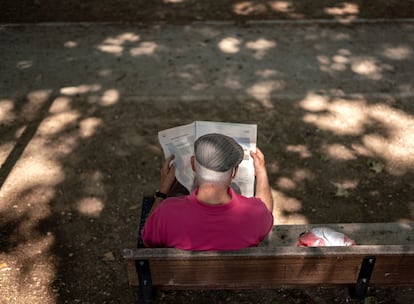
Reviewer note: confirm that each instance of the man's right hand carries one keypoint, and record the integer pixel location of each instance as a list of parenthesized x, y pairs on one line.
[(258, 162)]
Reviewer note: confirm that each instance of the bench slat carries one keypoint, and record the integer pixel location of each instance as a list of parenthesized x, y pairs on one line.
[(393, 270), (256, 252), (253, 273)]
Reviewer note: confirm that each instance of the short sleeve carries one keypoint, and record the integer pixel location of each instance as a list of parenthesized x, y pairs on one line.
[(151, 233)]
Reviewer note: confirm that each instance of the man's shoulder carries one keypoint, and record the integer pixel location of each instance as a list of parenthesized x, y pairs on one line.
[(175, 201), (252, 202), (247, 199)]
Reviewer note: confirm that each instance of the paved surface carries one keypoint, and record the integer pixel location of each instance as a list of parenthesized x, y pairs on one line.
[(52, 185), (255, 61)]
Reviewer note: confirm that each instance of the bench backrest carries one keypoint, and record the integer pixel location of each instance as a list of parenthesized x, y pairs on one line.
[(266, 268)]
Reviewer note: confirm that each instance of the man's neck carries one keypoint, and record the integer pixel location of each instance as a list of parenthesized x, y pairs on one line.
[(213, 194)]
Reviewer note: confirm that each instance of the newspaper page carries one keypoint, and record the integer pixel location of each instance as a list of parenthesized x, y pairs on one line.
[(180, 142)]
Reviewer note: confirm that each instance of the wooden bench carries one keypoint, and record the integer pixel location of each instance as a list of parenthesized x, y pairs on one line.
[(384, 257)]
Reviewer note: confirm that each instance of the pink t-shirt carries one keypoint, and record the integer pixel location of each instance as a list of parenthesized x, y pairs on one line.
[(186, 223)]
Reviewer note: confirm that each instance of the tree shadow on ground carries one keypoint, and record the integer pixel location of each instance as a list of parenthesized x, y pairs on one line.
[(334, 117)]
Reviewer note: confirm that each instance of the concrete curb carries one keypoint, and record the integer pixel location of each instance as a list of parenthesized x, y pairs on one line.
[(273, 97)]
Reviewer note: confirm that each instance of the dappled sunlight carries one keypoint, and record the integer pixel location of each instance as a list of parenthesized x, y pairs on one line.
[(122, 38), (298, 177), (28, 272), (5, 150), (70, 44), (194, 76), (314, 103), (251, 8), (285, 8), (402, 52), (61, 104), (340, 116), (89, 126), (38, 169), (92, 202), (368, 67), (58, 122), (338, 152), (267, 73), (31, 192), (392, 141), (128, 42), (332, 104), (7, 114), (365, 66), (145, 48), (287, 210), (104, 72), (109, 98), (90, 206), (81, 89), (35, 100), (397, 146), (302, 174), (345, 10), (260, 47), (286, 184), (337, 63), (229, 45), (263, 90), (246, 8), (301, 150), (234, 84), (282, 6), (111, 48), (25, 200), (115, 45), (38, 172)]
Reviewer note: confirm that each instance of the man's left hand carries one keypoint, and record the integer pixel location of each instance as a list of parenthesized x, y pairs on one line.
[(167, 175)]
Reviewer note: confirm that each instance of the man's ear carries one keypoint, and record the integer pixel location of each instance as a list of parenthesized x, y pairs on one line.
[(193, 163), (233, 175)]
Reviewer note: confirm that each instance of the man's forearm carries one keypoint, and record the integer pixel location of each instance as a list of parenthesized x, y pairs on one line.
[(263, 190)]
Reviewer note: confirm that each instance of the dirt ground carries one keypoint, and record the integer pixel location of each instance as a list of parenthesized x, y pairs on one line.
[(73, 172), (179, 11)]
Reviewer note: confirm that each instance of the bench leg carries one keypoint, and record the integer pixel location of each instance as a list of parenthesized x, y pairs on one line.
[(145, 292), (359, 290)]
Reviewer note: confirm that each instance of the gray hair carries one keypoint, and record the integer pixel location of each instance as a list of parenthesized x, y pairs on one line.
[(216, 156)]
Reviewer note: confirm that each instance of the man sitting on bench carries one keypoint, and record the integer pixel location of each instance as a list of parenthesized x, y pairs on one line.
[(213, 216)]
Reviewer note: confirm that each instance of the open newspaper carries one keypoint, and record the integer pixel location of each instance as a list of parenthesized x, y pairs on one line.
[(180, 142)]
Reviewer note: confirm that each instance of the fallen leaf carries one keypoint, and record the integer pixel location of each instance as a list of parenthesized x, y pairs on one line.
[(341, 190), (4, 267), (109, 256), (376, 166)]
